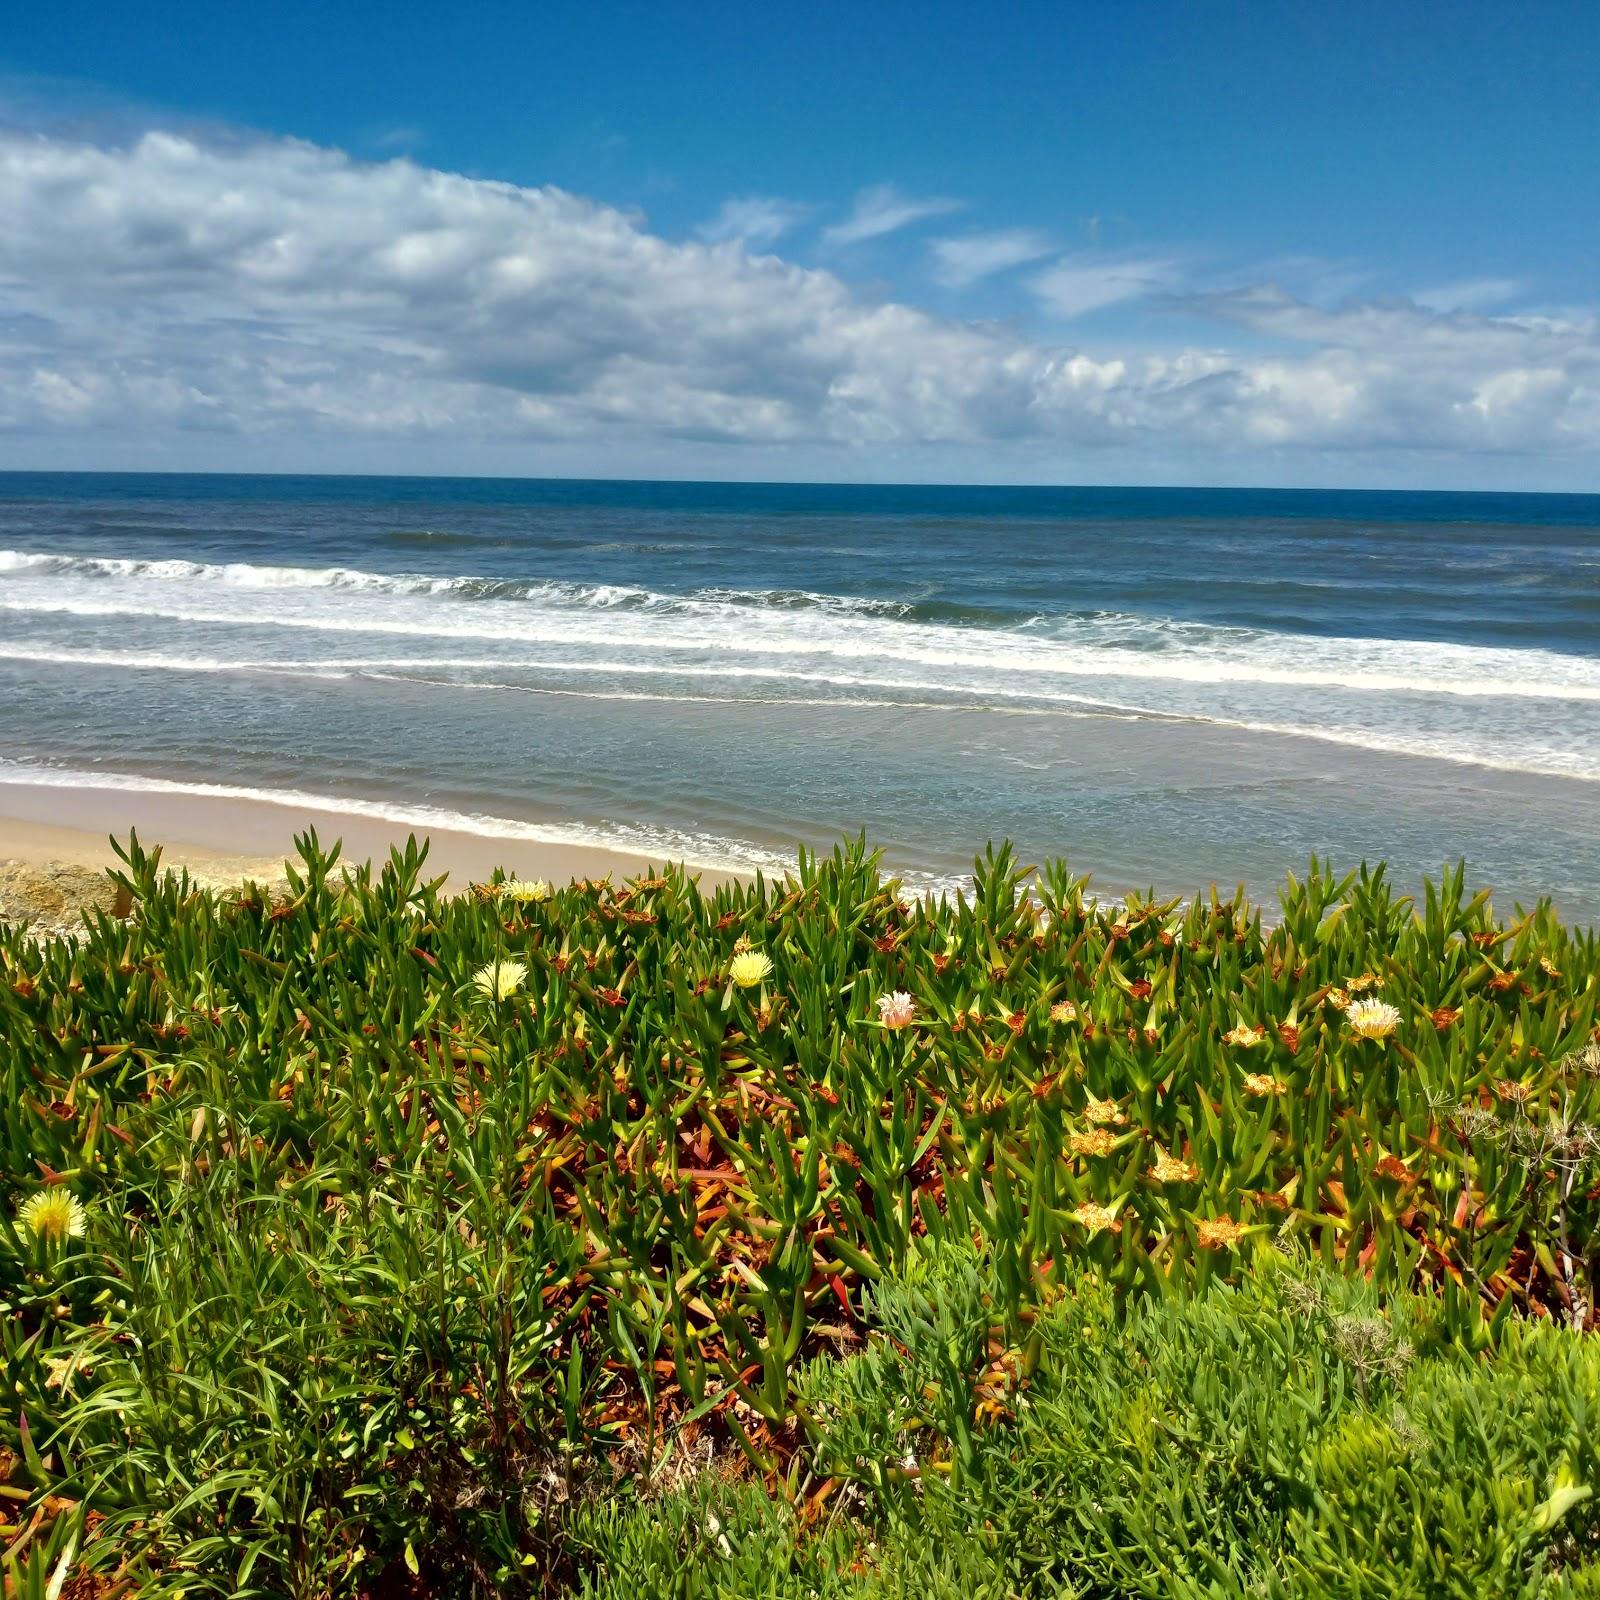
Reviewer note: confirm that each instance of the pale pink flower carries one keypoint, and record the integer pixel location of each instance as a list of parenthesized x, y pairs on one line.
[(897, 1010)]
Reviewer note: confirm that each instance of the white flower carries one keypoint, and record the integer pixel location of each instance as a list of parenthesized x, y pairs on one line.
[(499, 980), (1372, 1019), (896, 1010)]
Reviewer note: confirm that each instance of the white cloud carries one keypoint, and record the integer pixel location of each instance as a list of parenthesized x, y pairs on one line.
[(1472, 294), (755, 219), (884, 209), (176, 288), (964, 259), (397, 136), (1075, 285)]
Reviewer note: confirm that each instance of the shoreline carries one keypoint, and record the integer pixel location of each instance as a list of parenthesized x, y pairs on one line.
[(55, 842), (224, 838)]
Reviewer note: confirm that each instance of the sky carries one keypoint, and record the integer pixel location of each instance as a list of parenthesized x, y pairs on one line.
[(1147, 243)]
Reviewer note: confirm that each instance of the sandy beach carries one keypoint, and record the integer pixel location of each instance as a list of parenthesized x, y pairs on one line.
[(225, 838)]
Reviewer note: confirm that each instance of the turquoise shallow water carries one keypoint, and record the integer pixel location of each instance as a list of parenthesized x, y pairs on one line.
[(1166, 686)]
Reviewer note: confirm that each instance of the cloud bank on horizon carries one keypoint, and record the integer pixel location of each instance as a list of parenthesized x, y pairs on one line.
[(203, 293)]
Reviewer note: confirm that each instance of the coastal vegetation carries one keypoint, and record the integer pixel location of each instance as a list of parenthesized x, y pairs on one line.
[(798, 1238)]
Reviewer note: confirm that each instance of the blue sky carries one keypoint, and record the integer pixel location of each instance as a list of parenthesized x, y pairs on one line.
[(1138, 243)]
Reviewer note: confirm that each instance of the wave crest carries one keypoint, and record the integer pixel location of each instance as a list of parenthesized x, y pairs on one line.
[(600, 596)]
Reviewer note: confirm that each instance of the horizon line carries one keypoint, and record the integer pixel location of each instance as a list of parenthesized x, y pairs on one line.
[(788, 483)]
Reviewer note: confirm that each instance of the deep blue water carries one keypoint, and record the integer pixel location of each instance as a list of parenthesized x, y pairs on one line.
[(1166, 685)]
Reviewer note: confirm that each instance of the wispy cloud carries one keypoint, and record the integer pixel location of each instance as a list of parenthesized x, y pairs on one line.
[(405, 136), (1076, 285), (964, 259), (1472, 294), (884, 209), (755, 219)]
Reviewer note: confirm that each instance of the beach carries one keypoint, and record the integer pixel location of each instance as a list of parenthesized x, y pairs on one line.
[(1164, 688), (227, 841)]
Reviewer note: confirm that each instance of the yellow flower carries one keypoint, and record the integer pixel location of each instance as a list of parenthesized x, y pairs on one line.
[(1548, 967), (525, 891), (1169, 1169), (53, 1215), (1262, 1083), (59, 1371), (1220, 1233), (1063, 1011), (1338, 999), (1372, 1019), (750, 968), (1244, 1036), (1367, 980), (1097, 1142), (1103, 1113), (1096, 1219), (499, 980)]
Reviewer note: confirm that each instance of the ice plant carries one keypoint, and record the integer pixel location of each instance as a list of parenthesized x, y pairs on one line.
[(1169, 1169), (1096, 1219), (53, 1216), (896, 1009), (1244, 1037), (1096, 1142), (499, 980), (525, 891), (1261, 1084), (692, 1196), (1372, 1019), (1103, 1113), (1219, 1233), (750, 968)]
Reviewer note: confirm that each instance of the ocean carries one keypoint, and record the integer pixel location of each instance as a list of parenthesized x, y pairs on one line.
[(1166, 686)]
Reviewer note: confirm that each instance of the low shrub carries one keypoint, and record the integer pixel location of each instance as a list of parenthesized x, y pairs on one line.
[(357, 1238), (1287, 1438)]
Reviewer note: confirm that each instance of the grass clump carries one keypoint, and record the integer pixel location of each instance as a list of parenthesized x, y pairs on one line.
[(375, 1241), (1232, 1443)]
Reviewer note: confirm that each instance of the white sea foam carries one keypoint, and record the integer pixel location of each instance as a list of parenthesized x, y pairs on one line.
[(789, 623), (602, 596), (888, 695), (1493, 707), (1093, 648)]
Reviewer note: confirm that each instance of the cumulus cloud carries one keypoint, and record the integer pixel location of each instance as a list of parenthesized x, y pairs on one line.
[(964, 259), (176, 285), (884, 209), (755, 219)]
